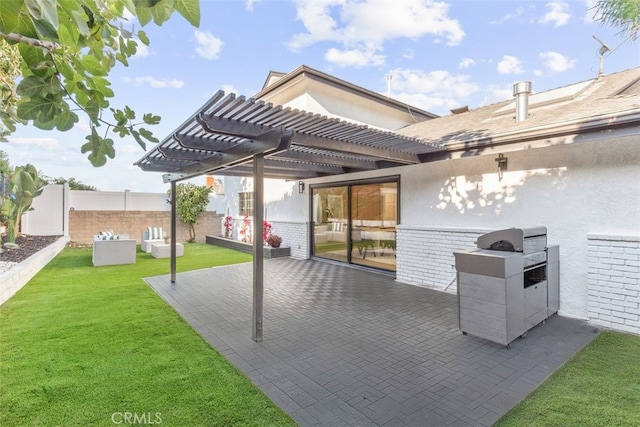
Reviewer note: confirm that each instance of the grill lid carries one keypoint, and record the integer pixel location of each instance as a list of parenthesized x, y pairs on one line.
[(514, 239)]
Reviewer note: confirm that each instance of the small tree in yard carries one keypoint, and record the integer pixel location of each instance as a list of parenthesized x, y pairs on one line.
[(24, 185), (191, 201)]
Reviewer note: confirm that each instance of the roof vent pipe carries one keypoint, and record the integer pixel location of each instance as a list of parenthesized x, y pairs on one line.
[(521, 91)]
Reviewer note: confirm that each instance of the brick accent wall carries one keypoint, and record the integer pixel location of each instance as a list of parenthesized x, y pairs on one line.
[(294, 235), (83, 225), (613, 290), (425, 254)]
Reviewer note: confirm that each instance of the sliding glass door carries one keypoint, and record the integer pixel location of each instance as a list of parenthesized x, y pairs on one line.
[(330, 223), (356, 223)]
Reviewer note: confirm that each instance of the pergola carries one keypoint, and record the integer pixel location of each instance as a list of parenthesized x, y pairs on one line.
[(234, 136)]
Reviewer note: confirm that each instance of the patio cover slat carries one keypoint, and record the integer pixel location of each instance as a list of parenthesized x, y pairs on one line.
[(228, 130)]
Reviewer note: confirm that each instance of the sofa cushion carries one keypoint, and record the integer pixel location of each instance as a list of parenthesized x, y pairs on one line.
[(154, 233)]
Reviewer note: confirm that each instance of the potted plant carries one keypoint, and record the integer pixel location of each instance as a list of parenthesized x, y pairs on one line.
[(274, 240)]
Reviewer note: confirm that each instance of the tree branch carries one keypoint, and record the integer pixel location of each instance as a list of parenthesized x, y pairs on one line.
[(31, 41)]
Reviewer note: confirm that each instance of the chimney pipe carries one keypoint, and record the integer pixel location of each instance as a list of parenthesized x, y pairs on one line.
[(521, 91)]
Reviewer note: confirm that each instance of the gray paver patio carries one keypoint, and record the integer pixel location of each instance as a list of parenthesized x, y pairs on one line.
[(347, 347)]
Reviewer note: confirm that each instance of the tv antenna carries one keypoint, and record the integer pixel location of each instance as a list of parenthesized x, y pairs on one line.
[(604, 48)]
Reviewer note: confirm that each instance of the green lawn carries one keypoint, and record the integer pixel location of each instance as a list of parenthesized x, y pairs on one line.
[(83, 345), (600, 386)]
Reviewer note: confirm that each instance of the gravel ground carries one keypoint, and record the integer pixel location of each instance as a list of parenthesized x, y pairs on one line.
[(28, 245)]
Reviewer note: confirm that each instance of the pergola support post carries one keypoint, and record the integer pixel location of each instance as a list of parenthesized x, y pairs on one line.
[(173, 231), (258, 246)]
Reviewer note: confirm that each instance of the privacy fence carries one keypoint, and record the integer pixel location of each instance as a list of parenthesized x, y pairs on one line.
[(82, 214)]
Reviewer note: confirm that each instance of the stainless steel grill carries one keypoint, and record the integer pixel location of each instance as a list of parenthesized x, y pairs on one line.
[(508, 284)]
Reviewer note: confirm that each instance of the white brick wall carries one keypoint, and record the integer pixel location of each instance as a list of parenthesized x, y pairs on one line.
[(425, 254), (613, 275), (295, 235)]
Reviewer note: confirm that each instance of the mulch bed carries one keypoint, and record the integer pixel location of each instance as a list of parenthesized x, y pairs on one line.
[(28, 245)]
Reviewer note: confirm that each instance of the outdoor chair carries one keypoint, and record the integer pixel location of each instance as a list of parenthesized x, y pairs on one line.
[(150, 236)]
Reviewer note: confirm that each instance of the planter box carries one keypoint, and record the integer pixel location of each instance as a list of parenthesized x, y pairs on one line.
[(269, 252)]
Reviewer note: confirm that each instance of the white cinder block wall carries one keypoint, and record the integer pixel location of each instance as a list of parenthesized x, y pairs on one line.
[(294, 235), (614, 281), (425, 255)]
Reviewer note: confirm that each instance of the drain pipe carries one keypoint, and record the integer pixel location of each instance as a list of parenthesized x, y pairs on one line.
[(521, 91)]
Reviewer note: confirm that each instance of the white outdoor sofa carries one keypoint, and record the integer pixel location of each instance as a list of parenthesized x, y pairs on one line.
[(113, 251), (156, 237)]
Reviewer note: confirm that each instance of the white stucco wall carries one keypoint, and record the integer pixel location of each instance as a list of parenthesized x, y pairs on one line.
[(572, 189)]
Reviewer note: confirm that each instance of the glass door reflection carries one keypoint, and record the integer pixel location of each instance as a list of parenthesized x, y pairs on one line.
[(330, 223), (374, 214)]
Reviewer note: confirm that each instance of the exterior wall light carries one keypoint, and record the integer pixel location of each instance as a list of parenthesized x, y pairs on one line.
[(301, 187)]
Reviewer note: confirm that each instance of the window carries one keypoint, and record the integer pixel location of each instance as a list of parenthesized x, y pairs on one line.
[(245, 203)]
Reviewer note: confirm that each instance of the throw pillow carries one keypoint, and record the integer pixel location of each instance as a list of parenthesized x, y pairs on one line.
[(154, 233)]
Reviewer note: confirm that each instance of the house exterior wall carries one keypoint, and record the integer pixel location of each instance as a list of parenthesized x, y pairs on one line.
[(573, 189)]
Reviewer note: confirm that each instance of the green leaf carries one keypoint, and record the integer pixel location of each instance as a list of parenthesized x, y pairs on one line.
[(45, 30), (129, 113), (68, 36), (80, 18), (122, 131), (31, 86), (66, 120), (98, 148), (190, 10), (143, 37), (162, 11), (148, 135), (93, 65), (9, 15), (150, 119), (139, 140), (119, 116), (34, 107), (143, 14), (44, 10)]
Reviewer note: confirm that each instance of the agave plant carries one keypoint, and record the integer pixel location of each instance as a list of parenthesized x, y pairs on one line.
[(24, 185)]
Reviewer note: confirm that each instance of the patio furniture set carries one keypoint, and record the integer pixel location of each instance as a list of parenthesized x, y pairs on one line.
[(116, 249)]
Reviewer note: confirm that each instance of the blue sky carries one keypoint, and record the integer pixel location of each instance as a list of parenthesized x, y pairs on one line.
[(440, 55)]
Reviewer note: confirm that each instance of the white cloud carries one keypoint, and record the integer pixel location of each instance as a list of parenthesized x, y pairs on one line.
[(154, 83), (208, 46), (510, 65), (509, 16), (497, 93), (556, 62), (249, 4), (466, 63), (362, 27), (408, 54), (354, 58), (558, 14), (229, 89), (48, 144), (434, 90)]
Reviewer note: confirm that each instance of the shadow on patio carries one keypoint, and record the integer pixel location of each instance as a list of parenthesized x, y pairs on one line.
[(344, 346)]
